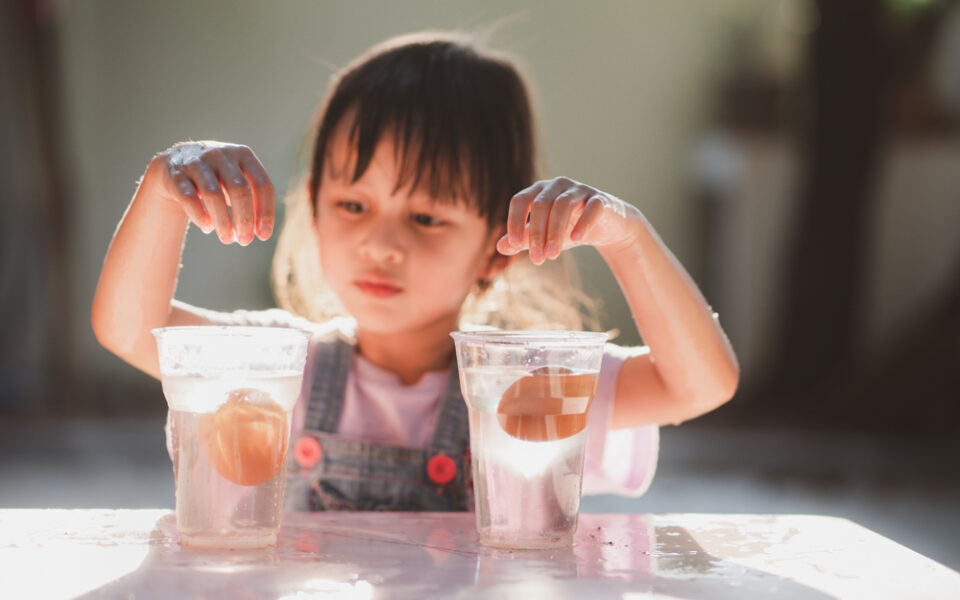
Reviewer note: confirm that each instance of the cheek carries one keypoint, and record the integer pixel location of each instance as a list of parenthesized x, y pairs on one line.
[(452, 271), (332, 257)]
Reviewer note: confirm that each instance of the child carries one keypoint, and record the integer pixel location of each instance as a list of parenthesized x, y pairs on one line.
[(420, 203)]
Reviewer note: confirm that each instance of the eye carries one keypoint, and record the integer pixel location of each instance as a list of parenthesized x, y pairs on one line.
[(426, 220), (351, 206)]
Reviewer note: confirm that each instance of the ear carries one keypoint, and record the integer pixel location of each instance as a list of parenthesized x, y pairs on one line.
[(496, 263)]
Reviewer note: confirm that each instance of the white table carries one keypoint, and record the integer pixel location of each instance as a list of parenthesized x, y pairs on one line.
[(135, 554)]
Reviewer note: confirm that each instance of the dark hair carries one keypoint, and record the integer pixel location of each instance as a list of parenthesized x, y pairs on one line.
[(460, 117), (462, 126)]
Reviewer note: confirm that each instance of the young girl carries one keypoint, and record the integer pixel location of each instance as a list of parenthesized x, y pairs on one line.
[(419, 213)]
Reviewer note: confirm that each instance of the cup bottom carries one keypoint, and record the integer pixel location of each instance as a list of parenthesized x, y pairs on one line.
[(512, 542), (229, 542)]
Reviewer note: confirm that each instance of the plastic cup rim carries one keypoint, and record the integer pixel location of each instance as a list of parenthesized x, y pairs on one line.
[(530, 337), (237, 331)]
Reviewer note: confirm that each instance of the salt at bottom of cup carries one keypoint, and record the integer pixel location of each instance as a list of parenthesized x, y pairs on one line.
[(225, 542)]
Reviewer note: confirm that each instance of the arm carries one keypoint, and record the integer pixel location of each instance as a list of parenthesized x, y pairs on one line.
[(190, 182), (690, 368)]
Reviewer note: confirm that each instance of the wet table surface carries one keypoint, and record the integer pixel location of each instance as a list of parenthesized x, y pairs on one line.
[(136, 554)]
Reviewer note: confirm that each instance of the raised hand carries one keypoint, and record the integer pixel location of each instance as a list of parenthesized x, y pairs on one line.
[(219, 186), (553, 215)]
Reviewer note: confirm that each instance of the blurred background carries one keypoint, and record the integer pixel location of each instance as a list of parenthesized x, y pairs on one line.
[(800, 157)]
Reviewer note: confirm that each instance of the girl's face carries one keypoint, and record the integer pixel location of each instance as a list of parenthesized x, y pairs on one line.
[(398, 261)]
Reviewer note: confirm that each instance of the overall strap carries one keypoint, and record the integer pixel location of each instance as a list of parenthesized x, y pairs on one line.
[(452, 432), (331, 366)]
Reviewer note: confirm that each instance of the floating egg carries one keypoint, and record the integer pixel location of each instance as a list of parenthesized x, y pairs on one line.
[(549, 404)]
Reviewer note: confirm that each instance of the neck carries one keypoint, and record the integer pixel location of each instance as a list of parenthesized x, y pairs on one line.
[(409, 355)]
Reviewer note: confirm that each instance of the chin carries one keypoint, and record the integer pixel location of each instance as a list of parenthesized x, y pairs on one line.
[(386, 323), (380, 326), (379, 321)]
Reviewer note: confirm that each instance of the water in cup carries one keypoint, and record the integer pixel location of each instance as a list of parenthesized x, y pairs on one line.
[(527, 457), (230, 425), (228, 462)]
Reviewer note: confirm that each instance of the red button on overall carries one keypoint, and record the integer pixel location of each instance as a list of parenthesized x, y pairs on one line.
[(307, 452), (441, 469)]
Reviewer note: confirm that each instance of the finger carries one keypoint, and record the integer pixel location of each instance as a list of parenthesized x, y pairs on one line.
[(517, 214), (506, 247), (212, 196), (591, 212), (188, 199), (563, 208), (264, 199), (238, 191), (539, 216)]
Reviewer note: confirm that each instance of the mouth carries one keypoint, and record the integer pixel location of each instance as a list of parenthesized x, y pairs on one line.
[(377, 288)]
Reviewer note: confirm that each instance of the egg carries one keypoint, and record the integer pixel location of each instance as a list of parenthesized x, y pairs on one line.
[(549, 404), (246, 438)]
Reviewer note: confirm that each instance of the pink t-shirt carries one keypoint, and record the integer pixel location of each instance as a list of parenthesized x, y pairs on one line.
[(378, 406)]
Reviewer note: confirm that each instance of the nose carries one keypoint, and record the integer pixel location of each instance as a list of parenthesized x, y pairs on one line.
[(382, 244)]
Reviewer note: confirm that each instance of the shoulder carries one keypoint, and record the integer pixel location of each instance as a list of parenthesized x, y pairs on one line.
[(341, 327)]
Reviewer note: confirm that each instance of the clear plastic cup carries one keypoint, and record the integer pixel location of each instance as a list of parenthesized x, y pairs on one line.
[(528, 395), (230, 391)]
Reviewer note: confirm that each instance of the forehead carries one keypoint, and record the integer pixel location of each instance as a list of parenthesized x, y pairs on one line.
[(396, 165), (342, 155)]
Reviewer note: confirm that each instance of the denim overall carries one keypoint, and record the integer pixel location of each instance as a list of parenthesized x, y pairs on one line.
[(329, 472)]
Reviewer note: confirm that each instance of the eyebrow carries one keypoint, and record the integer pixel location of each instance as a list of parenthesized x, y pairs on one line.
[(419, 198)]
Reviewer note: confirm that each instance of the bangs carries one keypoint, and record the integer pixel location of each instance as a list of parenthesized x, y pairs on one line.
[(460, 123), (433, 164)]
